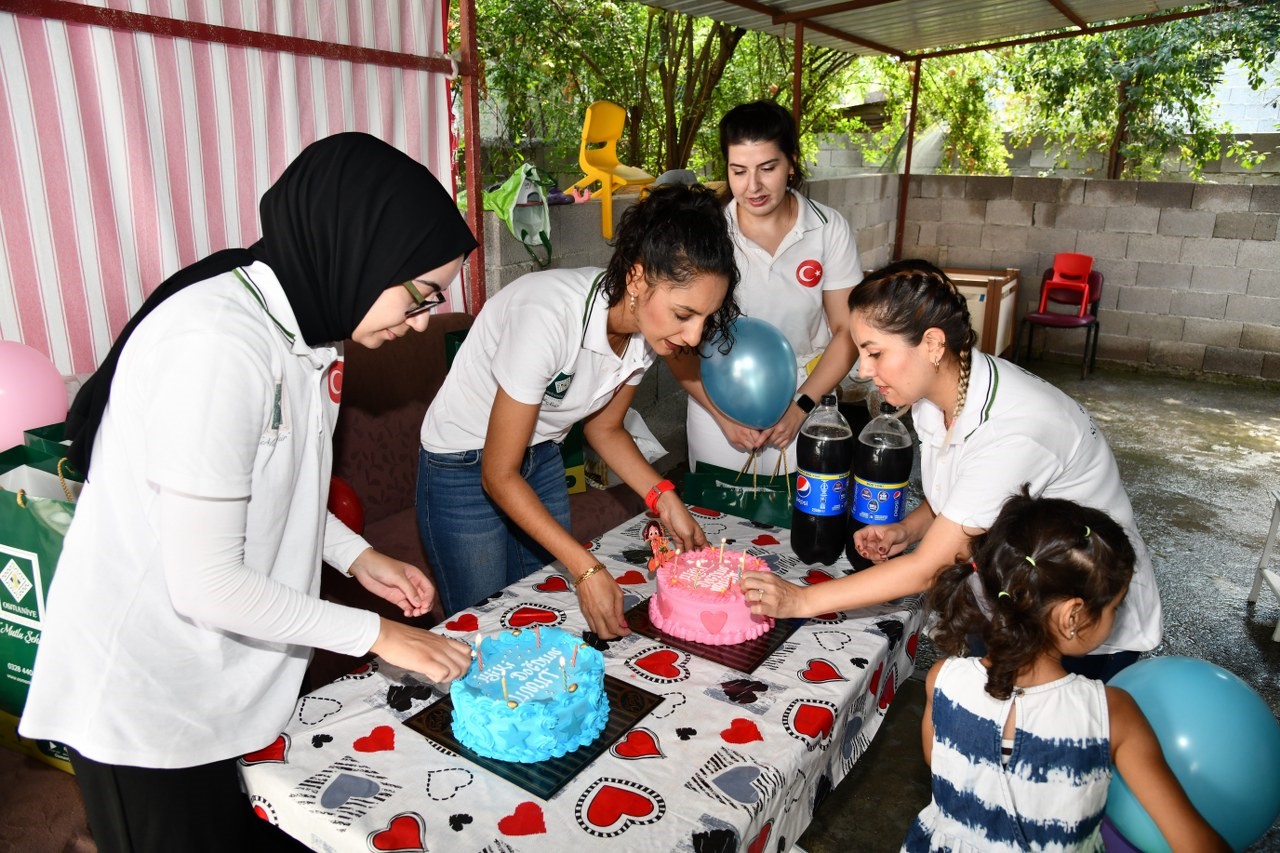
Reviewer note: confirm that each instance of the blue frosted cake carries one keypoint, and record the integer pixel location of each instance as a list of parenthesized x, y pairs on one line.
[(530, 695)]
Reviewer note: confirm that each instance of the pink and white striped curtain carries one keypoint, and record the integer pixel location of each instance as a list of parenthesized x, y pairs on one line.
[(125, 156)]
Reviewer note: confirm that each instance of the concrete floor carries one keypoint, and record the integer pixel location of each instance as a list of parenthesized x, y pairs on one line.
[(1198, 458)]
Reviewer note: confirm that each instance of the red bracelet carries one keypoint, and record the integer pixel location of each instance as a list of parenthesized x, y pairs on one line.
[(651, 499)]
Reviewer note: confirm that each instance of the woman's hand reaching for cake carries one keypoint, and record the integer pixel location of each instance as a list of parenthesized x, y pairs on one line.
[(600, 599), (679, 523), (437, 657), (403, 584), (769, 595)]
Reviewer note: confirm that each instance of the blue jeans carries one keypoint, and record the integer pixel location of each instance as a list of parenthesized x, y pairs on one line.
[(473, 548)]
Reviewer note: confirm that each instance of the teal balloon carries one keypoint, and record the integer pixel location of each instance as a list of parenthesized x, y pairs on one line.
[(756, 381), (1219, 738)]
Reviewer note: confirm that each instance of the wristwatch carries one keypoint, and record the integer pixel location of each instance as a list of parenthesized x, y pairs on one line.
[(805, 402)]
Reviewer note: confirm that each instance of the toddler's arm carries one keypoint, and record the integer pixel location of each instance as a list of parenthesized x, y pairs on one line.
[(1136, 754)]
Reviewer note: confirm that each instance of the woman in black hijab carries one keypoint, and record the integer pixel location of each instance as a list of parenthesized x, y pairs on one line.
[(186, 600)]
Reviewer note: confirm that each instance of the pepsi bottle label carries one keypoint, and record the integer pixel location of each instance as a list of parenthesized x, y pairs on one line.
[(878, 503), (822, 494)]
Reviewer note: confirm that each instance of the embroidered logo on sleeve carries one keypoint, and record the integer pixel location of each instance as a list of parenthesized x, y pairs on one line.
[(557, 389)]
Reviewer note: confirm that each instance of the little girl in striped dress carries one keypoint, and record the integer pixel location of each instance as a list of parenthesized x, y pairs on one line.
[(1021, 751)]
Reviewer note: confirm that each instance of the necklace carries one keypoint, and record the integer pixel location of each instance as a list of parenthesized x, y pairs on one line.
[(620, 347)]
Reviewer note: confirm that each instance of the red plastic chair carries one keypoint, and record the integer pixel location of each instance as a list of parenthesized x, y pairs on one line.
[(1070, 281)]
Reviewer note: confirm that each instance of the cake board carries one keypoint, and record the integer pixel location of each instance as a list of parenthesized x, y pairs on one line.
[(744, 657), (628, 705)]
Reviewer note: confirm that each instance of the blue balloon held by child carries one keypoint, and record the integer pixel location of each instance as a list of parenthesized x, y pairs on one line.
[(1219, 738), (756, 381)]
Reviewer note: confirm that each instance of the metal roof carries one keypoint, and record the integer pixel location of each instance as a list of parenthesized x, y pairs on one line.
[(913, 28)]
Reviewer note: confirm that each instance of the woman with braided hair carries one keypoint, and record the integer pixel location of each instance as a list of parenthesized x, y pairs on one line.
[(986, 426)]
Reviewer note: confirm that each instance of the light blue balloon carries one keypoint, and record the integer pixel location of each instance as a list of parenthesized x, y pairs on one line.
[(1219, 738), (756, 381)]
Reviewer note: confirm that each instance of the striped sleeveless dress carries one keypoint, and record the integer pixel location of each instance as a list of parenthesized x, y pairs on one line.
[(1051, 795)]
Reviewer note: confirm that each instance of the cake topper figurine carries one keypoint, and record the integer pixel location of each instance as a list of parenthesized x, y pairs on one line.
[(653, 534)]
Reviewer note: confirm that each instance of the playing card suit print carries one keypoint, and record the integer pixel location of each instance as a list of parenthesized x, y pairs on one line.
[(874, 687), (684, 732), (832, 641), (761, 839), (638, 743), (671, 702), (764, 540), (743, 691), (528, 615), (850, 735), (912, 645), (609, 807), (465, 622), (405, 833), (715, 841), (816, 576), (662, 666), (828, 617), (810, 721), (555, 583), (445, 784), (400, 697), (630, 577), (458, 821), (820, 671), (263, 809), (364, 670), (738, 783), (381, 739), (276, 753), (320, 740), (741, 731), (890, 688), (346, 786), (706, 513), (527, 819), (316, 709), (891, 628), (592, 639)]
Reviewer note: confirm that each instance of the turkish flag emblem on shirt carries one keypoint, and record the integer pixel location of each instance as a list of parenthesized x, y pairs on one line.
[(334, 381), (809, 273)]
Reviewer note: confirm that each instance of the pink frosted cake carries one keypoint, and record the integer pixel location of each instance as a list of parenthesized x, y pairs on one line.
[(699, 598)]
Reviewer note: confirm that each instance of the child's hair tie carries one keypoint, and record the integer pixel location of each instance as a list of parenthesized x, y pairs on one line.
[(1005, 594), (1030, 560), (974, 566), (1087, 531)]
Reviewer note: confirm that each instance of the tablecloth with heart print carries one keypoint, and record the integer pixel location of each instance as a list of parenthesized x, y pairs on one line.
[(727, 762)]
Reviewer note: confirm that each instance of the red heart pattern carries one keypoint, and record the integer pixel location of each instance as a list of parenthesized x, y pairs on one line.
[(741, 731), (706, 513), (913, 643), (276, 753), (528, 615), (465, 622), (527, 819), (819, 671), (758, 845), (381, 739), (874, 687), (405, 833), (662, 665), (810, 720), (631, 577), (890, 688), (555, 583), (764, 539), (816, 576), (639, 743), (611, 806)]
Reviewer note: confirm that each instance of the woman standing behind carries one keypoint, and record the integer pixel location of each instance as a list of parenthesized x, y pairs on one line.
[(551, 349), (986, 427), (798, 262), (186, 602)]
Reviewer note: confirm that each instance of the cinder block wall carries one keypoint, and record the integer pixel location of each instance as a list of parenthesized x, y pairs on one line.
[(1192, 270)]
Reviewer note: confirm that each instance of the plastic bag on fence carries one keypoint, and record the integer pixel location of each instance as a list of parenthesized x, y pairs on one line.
[(768, 500), (521, 203)]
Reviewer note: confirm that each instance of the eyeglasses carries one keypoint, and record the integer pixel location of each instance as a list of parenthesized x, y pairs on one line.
[(422, 303)]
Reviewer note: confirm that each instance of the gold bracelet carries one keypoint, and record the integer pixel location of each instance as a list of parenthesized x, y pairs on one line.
[(577, 582)]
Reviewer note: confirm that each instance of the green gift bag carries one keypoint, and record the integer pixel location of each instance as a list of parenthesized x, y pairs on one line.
[(48, 439), (768, 500), (37, 500)]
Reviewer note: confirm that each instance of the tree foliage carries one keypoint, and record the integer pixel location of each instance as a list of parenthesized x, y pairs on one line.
[(1137, 94)]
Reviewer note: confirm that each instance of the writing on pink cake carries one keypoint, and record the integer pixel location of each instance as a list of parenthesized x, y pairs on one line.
[(711, 578)]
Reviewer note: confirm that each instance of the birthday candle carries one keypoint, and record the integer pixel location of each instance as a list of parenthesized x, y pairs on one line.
[(504, 686), (564, 674), (574, 662), (537, 632), (479, 654), (742, 563), (721, 558)]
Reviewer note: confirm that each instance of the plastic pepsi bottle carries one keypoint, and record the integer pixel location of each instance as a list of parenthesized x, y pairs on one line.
[(881, 469), (824, 454)]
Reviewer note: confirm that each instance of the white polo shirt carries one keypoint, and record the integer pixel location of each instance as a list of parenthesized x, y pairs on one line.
[(543, 339), (1016, 428), (786, 288), (217, 397)]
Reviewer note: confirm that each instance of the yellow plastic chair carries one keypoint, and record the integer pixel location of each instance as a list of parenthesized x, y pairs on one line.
[(598, 157)]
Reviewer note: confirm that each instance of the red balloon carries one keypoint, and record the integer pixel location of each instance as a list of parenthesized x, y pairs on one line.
[(345, 504)]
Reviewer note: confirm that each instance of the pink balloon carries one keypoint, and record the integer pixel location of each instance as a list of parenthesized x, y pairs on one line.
[(32, 392)]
